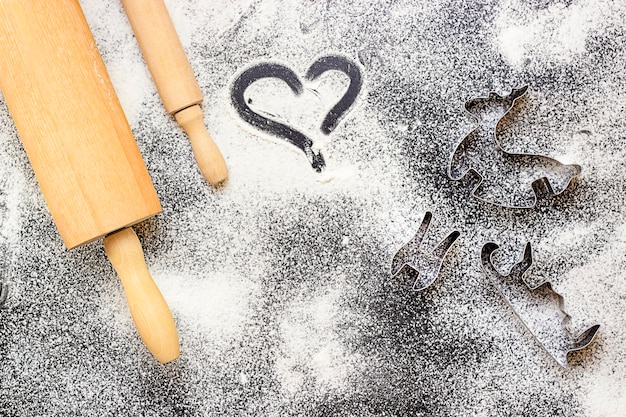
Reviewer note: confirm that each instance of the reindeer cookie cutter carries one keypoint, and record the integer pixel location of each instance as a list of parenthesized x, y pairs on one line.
[(535, 306), (412, 263), (481, 153)]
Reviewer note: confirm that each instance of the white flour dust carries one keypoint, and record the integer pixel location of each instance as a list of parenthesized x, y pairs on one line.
[(279, 282), (311, 351), (555, 33)]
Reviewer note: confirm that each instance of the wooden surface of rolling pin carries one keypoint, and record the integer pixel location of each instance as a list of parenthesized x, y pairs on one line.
[(80, 146), (175, 81)]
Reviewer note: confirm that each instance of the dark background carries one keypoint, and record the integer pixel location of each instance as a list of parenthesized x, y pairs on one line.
[(280, 282)]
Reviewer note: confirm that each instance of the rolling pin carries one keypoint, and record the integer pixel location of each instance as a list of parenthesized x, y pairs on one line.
[(81, 148), (175, 81)]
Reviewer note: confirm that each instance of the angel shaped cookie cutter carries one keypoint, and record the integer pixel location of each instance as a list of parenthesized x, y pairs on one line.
[(505, 179), (413, 263), (540, 308)]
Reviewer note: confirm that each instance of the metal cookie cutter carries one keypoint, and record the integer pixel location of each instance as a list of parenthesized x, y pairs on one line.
[(535, 306), (506, 179), (413, 263)]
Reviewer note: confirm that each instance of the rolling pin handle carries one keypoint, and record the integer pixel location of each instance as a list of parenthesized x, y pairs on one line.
[(148, 308), (207, 154)]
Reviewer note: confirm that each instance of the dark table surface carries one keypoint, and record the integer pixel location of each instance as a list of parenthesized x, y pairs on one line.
[(280, 283)]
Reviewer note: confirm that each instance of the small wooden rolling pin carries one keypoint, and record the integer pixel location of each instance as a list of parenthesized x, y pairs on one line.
[(175, 81), (81, 148)]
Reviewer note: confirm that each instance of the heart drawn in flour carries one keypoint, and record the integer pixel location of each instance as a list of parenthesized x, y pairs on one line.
[(286, 74)]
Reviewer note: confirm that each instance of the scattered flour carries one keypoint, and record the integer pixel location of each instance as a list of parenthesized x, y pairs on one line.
[(216, 305), (310, 349), (420, 66), (557, 33)]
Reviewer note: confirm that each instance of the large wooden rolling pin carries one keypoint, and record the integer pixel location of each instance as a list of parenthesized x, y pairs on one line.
[(81, 148), (175, 81)]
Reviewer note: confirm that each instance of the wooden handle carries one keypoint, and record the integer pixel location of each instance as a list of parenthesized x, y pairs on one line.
[(209, 158), (148, 308), (174, 79)]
